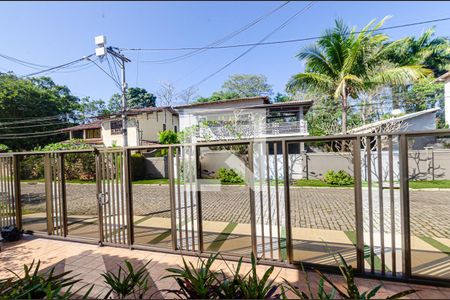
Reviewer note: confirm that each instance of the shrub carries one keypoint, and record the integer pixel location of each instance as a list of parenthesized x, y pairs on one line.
[(3, 148), (340, 178), (229, 176), (36, 284), (128, 282), (137, 166)]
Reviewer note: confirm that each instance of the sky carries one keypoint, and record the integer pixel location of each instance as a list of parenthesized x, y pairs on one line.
[(53, 33)]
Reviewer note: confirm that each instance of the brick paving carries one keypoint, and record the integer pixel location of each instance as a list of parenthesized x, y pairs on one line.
[(90, 261), (320, 208)]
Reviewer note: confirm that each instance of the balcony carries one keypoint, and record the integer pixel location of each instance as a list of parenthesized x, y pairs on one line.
[(248, 131)]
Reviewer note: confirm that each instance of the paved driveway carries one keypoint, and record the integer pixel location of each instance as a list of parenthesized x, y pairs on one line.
[(321, 208)]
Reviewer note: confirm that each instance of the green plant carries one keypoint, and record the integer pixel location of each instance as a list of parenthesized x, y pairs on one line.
[(128, 281), (3, 148), (137, 166), (229, 176), (340, 178), (35, 284), (351, 290), (253, 287), (198, 282)]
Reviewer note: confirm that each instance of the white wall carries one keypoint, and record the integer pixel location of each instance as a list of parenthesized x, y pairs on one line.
[(447, 101), (110, 140)]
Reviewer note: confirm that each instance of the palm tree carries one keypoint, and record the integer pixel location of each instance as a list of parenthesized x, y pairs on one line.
[(344, 63)]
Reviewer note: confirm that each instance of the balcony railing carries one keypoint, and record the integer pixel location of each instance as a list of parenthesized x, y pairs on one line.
[(249, 131)]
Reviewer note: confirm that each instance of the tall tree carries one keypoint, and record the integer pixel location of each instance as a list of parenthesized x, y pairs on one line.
[(167, 93), (32, 110), (344, 63), (247, 85), (136, 98), (89, 108)]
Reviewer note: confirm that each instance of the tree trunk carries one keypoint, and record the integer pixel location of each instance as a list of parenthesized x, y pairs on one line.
[(344, 113)]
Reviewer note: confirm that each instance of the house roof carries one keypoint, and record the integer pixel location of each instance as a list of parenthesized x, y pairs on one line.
[(97, 124), (443, 77), (136, 111), (283, 104), (227, 101), (368, 127)]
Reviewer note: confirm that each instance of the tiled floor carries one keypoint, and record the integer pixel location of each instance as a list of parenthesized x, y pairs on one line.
[(90, 261)]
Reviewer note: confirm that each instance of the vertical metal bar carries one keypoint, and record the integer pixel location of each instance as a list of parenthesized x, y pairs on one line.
[(381, 204), (112, 197), (109, 182), (185, 176), (122, 196), (11, 189), (60, 200), (55, 197), (287, 200), (261, 196), (180, 223), (17, 192), (268, 200), (3, 210), (199, 200), (369, 186), (99, 180), (404, 205), (63, 193), (173, 220), (104, 192), (128, 197), (392, 205), (191, 195), (277, 198), (48, 192), (251, 182), (358, 205)]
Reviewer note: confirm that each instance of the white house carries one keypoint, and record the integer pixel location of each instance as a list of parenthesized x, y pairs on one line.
[(446, 79), (244, 118)]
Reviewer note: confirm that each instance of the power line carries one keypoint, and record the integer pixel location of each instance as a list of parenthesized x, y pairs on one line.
[(35, 125), (284, 24), (59, 67), (29, 133), (107, 74), (282, 41), (35, 119), (31, 136), (221, 40)]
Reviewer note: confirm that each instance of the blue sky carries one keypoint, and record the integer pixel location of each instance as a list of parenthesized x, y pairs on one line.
[(52, 33)]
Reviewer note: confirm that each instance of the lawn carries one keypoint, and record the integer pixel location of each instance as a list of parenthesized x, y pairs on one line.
[(428, 184), (314, 183)]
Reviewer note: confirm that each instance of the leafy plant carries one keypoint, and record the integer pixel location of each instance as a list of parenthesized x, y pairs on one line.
[(128, 281), (35, 284), (198, 282), (253, 287), (3, 148), (229, 176), (340, 178), (351, 291)]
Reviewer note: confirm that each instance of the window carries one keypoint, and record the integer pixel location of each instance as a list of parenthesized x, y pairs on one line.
[(93, 134), (116, 127), (164, 127), (175, 128)]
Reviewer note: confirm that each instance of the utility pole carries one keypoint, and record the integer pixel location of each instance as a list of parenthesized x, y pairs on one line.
[(122, 60), (101, 51)]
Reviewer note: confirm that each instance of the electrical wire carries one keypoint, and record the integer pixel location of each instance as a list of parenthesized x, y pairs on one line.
[(220, 41), (35, 119), (282, 41), (31, 136), (107, 74), (58, 67), (283, 25), (35, 125), (29, 133)]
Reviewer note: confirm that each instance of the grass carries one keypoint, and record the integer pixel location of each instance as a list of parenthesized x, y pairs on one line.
[(314, 183), (428, 184), (152, 181)]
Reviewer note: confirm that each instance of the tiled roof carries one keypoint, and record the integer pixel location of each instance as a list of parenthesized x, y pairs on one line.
[(97, 124), (227, 101)]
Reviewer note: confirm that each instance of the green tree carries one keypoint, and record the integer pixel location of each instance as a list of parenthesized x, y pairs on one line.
[(33, 99), (136, 98), (89, 108), (247, 85), (344, 63), (218, 96), (279, 97)]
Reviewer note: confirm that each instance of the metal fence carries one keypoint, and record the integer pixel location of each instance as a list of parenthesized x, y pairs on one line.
[(377, 223)]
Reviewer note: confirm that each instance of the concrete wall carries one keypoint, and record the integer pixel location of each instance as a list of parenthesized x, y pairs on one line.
[(156, 167), (110, 140)]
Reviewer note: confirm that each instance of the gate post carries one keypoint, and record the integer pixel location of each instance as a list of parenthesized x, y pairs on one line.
[(251, 186), (128, 196), (173, 224), (99, 178), (287, 201), (48, 192), (17, 193), (199, 198), (358, 205), (404, 205)]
